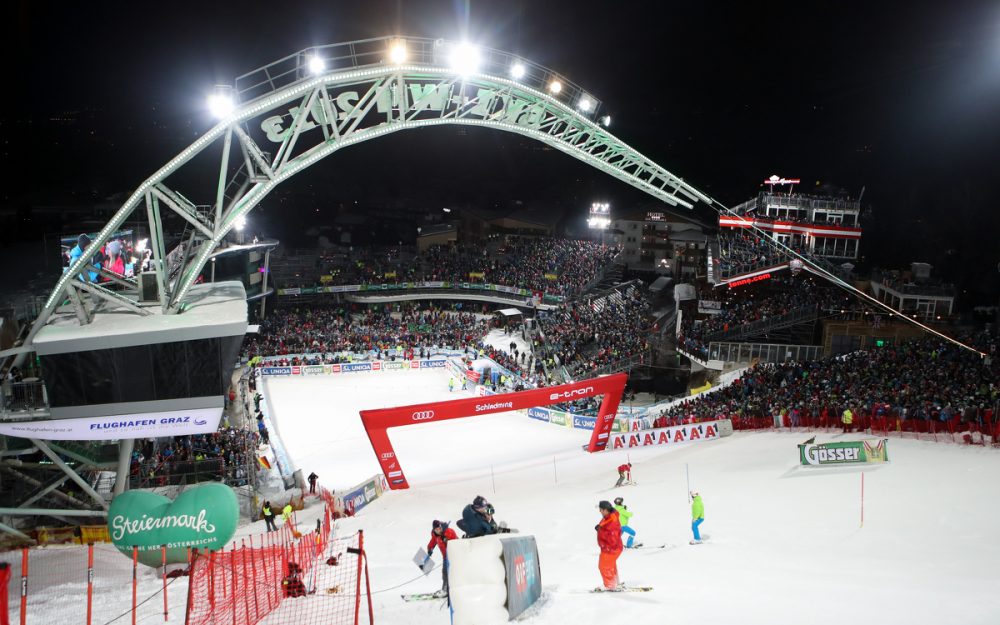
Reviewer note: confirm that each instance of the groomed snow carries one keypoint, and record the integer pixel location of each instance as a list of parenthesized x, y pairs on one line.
[(785, 543)]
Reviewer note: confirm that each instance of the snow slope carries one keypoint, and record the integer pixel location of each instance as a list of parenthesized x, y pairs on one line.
[(785, 542)]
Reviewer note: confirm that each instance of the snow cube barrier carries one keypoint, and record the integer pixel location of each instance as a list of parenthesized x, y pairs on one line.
[(493, 580)]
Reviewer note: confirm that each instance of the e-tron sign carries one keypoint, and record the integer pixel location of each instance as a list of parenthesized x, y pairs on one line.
[(377, 422)]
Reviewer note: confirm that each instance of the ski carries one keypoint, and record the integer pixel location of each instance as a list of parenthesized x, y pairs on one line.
[(625, 589), (423, 596)]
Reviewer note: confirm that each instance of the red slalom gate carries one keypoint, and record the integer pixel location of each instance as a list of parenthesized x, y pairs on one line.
[(377, 422)]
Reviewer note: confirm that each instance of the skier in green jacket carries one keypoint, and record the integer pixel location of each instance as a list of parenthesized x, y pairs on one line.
[(623, 517), (697, 516)]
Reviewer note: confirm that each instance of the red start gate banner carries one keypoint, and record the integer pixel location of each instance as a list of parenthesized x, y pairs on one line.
[(377, 422)]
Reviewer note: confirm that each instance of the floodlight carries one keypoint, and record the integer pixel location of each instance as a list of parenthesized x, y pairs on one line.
[(464, 58), (517, 71), (316, 64), (241, 222), (585, 104), (220, 104), (555, 86), (397, 52), (606, 121)]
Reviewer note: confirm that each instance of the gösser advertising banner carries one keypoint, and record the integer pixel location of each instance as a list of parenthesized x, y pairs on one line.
[(844, 452), (709, 430), (141, 425)]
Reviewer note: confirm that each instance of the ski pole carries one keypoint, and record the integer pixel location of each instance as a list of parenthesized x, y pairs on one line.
[(687, 475)]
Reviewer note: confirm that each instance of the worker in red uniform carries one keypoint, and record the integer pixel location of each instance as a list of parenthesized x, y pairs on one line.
[(440, 535), (609, 538), (624, 470)]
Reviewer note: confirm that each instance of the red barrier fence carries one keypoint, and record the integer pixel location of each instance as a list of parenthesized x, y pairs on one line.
[(311, 579), (953, 430), (267, 578)]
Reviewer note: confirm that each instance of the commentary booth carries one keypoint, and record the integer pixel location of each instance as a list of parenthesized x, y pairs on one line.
[(125, 376)]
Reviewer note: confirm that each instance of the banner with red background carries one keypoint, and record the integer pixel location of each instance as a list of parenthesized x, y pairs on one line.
[(377, 422)]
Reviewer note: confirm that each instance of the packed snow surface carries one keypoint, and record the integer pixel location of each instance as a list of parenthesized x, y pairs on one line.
[(785, 544)]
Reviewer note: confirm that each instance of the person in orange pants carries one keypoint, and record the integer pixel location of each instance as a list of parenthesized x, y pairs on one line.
[(609, 538)]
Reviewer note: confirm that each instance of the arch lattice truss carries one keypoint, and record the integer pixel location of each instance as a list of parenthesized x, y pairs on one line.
[(287, 118)]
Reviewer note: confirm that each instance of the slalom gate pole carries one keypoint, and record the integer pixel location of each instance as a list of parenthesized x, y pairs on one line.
[(687, 476), (90, 581), (135, 571), (4, 583), (163, 560), (862, 499), (247, 589), (24, 585), (555, 474), (493, 480), (232, 570), (357, 586), (253, 577)]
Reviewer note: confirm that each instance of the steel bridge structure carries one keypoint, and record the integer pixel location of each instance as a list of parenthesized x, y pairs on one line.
[(280, 119)]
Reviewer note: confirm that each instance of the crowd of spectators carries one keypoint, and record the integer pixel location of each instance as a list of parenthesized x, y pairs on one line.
[(758, 302), (335, 334), (221, 456), (740, 252), (586, 336), (547, 265), (927, 379)]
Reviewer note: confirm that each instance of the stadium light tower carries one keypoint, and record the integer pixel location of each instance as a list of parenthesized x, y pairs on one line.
[(600, 217), (221, 102)]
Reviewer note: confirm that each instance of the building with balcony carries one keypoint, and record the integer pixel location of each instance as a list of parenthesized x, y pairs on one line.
[(915, 292), (822, 226), (654, 240)]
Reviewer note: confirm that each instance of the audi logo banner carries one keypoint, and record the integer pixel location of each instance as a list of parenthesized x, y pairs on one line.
[(378, 422)]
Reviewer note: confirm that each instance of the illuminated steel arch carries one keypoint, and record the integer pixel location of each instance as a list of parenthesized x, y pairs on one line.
[(295, 111)]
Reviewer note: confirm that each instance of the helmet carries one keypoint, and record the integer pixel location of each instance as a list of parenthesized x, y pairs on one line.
[(480, 502), (605, 505), (619, 501), (438, 524)]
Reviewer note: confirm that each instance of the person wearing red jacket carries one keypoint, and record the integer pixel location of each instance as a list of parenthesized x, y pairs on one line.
[(623, 470), (440, 535), (609, 538)]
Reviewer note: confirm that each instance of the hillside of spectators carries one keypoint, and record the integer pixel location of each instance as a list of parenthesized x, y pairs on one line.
[(553, 266), (758, 303), (583, 339), (927, 379), (327, 332)]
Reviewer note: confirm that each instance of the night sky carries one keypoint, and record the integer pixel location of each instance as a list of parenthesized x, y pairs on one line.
[(900, 99)]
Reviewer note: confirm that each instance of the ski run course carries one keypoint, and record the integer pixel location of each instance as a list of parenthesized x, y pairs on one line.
[(785, 544)]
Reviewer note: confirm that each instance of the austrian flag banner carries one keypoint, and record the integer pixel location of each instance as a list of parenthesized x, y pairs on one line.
[(377, 422)]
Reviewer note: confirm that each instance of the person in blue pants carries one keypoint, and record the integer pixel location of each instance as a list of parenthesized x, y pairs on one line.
[(697, 516), (623, 517)]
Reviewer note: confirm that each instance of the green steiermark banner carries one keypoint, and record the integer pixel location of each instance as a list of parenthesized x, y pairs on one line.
[(846, 452), (202, 517)]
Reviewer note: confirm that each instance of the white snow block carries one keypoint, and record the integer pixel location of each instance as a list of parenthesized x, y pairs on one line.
[(477, 580)]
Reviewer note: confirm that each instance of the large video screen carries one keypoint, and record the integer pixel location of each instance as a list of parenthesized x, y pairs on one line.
[(121, 255)]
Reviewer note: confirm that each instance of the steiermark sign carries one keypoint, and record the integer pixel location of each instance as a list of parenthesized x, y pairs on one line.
[(202, 517)]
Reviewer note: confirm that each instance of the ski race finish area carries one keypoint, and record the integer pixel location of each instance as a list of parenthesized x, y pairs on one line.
[(377, 422)]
